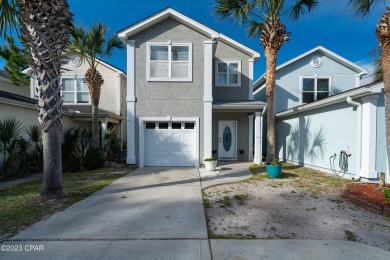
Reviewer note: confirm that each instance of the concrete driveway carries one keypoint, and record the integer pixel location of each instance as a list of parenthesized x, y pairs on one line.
[(144, 213)]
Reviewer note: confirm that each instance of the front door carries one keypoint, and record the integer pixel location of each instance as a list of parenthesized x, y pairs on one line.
[(227, 140)]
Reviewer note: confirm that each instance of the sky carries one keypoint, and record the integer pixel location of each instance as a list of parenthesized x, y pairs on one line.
[(332, 25)]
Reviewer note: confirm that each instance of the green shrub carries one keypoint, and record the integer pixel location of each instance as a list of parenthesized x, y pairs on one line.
[(76, 157), (387, 194)]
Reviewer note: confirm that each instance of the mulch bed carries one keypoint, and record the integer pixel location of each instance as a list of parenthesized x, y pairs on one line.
[(367, 192)]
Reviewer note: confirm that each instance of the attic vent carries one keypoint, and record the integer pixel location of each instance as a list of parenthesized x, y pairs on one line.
[(76, 61), (316, 62)]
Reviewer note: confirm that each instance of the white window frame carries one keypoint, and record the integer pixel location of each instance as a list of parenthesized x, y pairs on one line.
[(228, 62), (75, 90), (315, 77), (169, 44)]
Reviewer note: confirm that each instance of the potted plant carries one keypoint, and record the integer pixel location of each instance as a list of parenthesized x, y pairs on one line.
[(274, 170), (210, 164)]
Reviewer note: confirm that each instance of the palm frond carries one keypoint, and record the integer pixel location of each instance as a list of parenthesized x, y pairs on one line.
[(363, 7), (254, 29), (9, 18), (301, 7), (237, 10), (34, 133)]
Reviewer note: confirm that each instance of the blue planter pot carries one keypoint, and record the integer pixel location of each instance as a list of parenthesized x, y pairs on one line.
[(274, 171)]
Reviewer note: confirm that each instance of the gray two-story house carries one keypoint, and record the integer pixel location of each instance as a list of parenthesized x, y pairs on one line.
[(189, 94)]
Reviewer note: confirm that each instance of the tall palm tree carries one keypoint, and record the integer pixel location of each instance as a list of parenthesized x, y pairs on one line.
[(44, 27), (363, 8), (92, 46), (263, 19)]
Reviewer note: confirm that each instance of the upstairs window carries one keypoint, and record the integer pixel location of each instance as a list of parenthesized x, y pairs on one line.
[(228, 73), (314, 88), (169, 62), (75, 91)]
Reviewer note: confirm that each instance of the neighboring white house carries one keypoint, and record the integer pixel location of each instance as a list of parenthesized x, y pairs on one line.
[(321, 110), (189, 94)]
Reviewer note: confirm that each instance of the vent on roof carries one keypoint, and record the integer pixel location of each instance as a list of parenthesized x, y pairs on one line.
[(316, 62)]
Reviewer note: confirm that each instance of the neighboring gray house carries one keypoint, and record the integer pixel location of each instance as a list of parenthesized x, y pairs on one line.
[(189, 94), (321, 110)]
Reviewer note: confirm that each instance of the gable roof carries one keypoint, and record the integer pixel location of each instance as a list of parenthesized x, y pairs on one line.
[(29, 70), (324, 51), (156, 18)]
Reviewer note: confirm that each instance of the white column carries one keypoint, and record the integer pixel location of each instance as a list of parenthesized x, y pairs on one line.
[(104, 131), (208, 100), (32, 86), (250, 135), (369, 137), (118, 94), (258, 126), (250, 76), (130, 99)]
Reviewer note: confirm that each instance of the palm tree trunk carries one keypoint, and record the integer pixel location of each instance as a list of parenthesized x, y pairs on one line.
[(382, 32), (271, 56), (94, 80), (45, 27), (386, 81), (95, 126), (52, 165)]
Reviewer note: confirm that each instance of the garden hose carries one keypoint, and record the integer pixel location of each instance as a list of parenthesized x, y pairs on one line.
[(343, 163)]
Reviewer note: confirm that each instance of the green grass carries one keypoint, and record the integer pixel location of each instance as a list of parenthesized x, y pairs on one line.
[(350, 236), (22, 205)]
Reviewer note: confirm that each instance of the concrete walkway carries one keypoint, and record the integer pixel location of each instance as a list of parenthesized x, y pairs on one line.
[(157, 213), (28, 178)]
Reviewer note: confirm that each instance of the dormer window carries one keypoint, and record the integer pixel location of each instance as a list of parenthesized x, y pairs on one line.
[(169, 62), (227, 73), (314, 88)]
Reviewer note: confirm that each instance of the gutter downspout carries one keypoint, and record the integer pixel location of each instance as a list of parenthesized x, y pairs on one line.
[(261, 133), (359, 136)]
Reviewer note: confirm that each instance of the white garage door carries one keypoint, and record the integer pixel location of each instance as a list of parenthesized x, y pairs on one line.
[(169, 144)]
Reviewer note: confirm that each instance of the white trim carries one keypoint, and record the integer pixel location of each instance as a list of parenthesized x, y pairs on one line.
[(228, 62), (141, 129), (369, 124), (250, 138), (235, 147), (118, 93), (32, 86), (130, 99), (258, 137), (169, 44), (332, 100), (170, 13), (361, 71), (315, 77), (250, 77), (208, 100)]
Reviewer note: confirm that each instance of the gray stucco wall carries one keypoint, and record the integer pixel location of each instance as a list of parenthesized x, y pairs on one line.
[(287, 83), (177, 99), (225, 52), (242, 132), (311, 137), (7, 86)]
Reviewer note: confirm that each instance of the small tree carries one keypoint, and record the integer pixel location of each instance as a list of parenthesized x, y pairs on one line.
[(92, 46)]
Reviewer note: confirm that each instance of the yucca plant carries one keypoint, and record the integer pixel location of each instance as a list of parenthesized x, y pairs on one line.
[(9, 133)]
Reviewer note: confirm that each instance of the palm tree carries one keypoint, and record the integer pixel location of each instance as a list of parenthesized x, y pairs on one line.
[(363, 8), (44, 27), (92, 46), (263, 19)]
